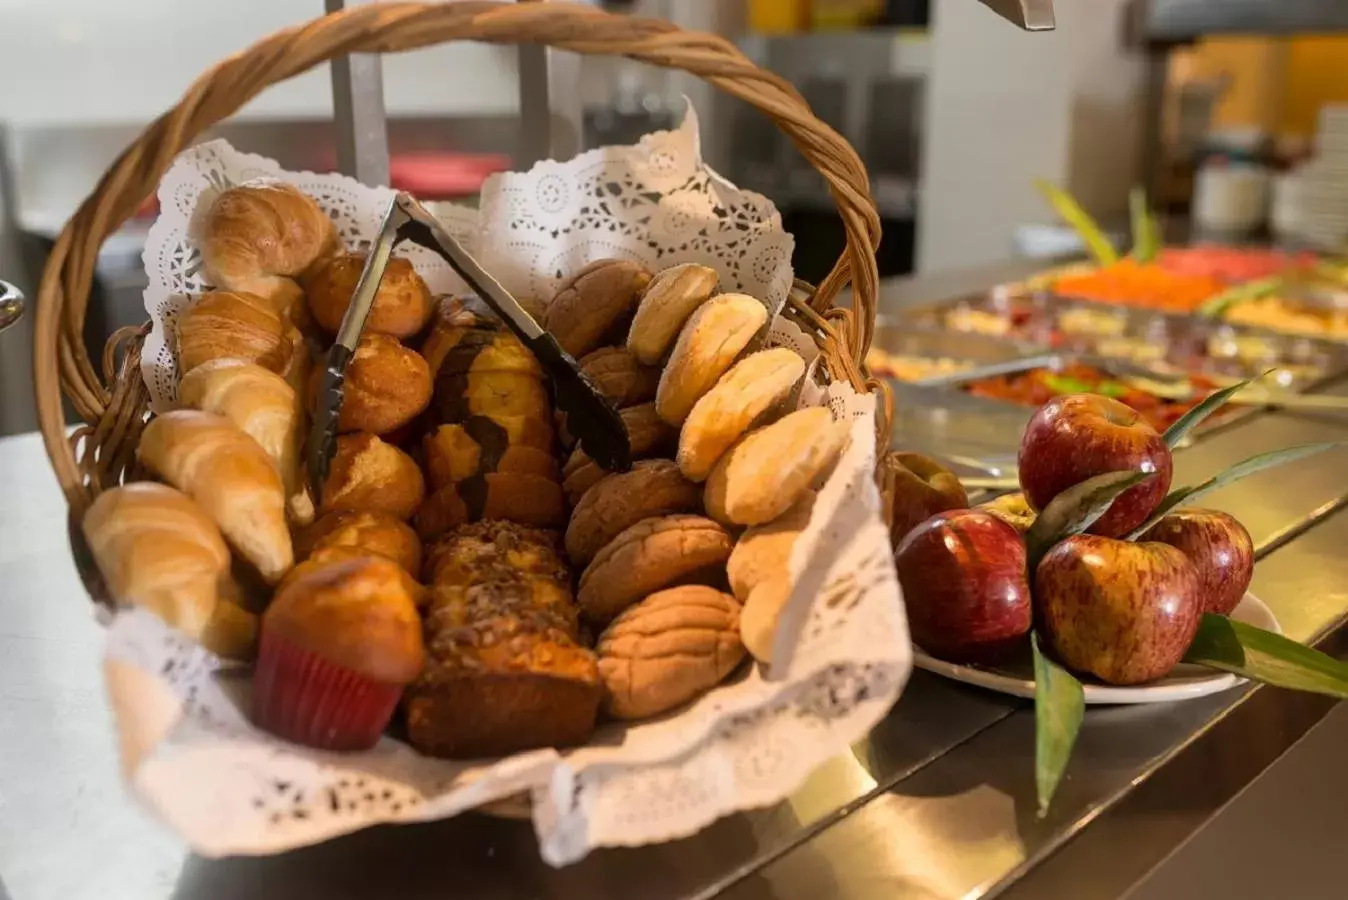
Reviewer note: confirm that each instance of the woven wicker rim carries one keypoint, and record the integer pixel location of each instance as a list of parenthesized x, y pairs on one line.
[(115, 405)]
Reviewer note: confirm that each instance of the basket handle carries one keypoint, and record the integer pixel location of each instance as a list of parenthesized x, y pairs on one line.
[(60, 360)]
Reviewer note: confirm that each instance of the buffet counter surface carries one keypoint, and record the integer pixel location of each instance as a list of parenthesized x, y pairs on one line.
[(937, 803)]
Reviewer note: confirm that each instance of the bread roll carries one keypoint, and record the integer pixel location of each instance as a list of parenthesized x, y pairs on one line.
[(369, 532), (266, 408), (653, 487), (369, 475), (753, 387), (157, 549), (668, 649), (764, 551), (230, 325), (706, 348), (258, 237), (401, 307), (593, 302), (666, 304), (387, 386), (763, 475), (229, 474)]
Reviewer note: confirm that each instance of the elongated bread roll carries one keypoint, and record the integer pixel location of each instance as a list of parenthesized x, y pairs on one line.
[(258, 237), (158, 549), (266, 408), (228, 473)]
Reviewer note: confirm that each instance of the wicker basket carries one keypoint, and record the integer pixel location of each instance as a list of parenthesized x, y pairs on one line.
[(114, 402)]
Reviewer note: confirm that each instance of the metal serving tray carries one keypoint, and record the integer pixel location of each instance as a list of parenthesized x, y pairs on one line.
[(1187, 343)]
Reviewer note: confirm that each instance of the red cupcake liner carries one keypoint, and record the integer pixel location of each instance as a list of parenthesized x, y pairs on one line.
[(303, 698)]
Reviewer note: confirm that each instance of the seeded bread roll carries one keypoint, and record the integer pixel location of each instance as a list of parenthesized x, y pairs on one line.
[(506, 670)]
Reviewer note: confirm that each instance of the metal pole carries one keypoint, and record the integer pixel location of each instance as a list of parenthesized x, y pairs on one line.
[(551, 107), (358, 112)]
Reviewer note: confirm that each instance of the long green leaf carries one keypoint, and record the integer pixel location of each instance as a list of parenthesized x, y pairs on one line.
[(1066, 206), (1242, 469), (1146, 232), (1059, 705), (1260, 655), (1180, 428), (1075, 510), (1217, 306)]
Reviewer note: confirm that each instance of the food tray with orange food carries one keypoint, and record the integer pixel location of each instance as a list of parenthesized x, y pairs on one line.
[(1213, 348)]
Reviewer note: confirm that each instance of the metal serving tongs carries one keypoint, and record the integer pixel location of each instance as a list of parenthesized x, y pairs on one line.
[(589, 416)]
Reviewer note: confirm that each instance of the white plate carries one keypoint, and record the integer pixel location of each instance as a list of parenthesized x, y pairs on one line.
[(1183, 683)]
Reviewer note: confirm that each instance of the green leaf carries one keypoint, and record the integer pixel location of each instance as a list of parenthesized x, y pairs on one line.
[(1242, 469), (1217, 306), (1260, 655), (1075, 510), (1186, 423), (1146, 231), (1059, 705), (1066, 206), (1066, 384)]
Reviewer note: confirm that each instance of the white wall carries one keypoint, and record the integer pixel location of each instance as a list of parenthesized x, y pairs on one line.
[(1005, 107)]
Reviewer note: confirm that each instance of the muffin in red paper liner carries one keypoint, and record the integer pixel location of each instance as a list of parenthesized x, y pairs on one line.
[(338, 645)]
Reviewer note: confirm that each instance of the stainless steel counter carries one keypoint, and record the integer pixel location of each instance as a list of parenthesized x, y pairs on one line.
[(937, 803)]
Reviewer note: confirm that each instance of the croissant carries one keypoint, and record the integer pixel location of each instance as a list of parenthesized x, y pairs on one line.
[(259, 237), (266, 408), (228, 325), (229, 474), (157, 549)]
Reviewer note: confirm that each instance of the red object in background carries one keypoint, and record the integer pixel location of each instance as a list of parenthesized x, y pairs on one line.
[(444, 176), (1232, 265)]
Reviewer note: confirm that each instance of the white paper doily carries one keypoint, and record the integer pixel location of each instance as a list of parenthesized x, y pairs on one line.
[(655, 202), (841, 657)]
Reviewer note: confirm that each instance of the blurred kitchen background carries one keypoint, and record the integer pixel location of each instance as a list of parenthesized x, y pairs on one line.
[(1226, 109)]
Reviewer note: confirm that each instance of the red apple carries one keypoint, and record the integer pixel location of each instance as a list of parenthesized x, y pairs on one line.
[(922, 488), (1124, 612), (1080, 436), (965, 586), (1220, 549)]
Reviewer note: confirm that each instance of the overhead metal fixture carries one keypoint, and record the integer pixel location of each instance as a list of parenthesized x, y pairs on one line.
[(1032, 15)]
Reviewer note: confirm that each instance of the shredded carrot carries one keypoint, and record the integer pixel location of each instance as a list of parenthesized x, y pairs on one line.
[(1148, 285)]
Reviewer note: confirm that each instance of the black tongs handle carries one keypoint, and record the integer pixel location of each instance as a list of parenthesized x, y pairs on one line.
[(328, 406), (590, 417)]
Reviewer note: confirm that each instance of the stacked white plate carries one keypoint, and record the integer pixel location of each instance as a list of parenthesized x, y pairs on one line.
[(1325, 198)]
